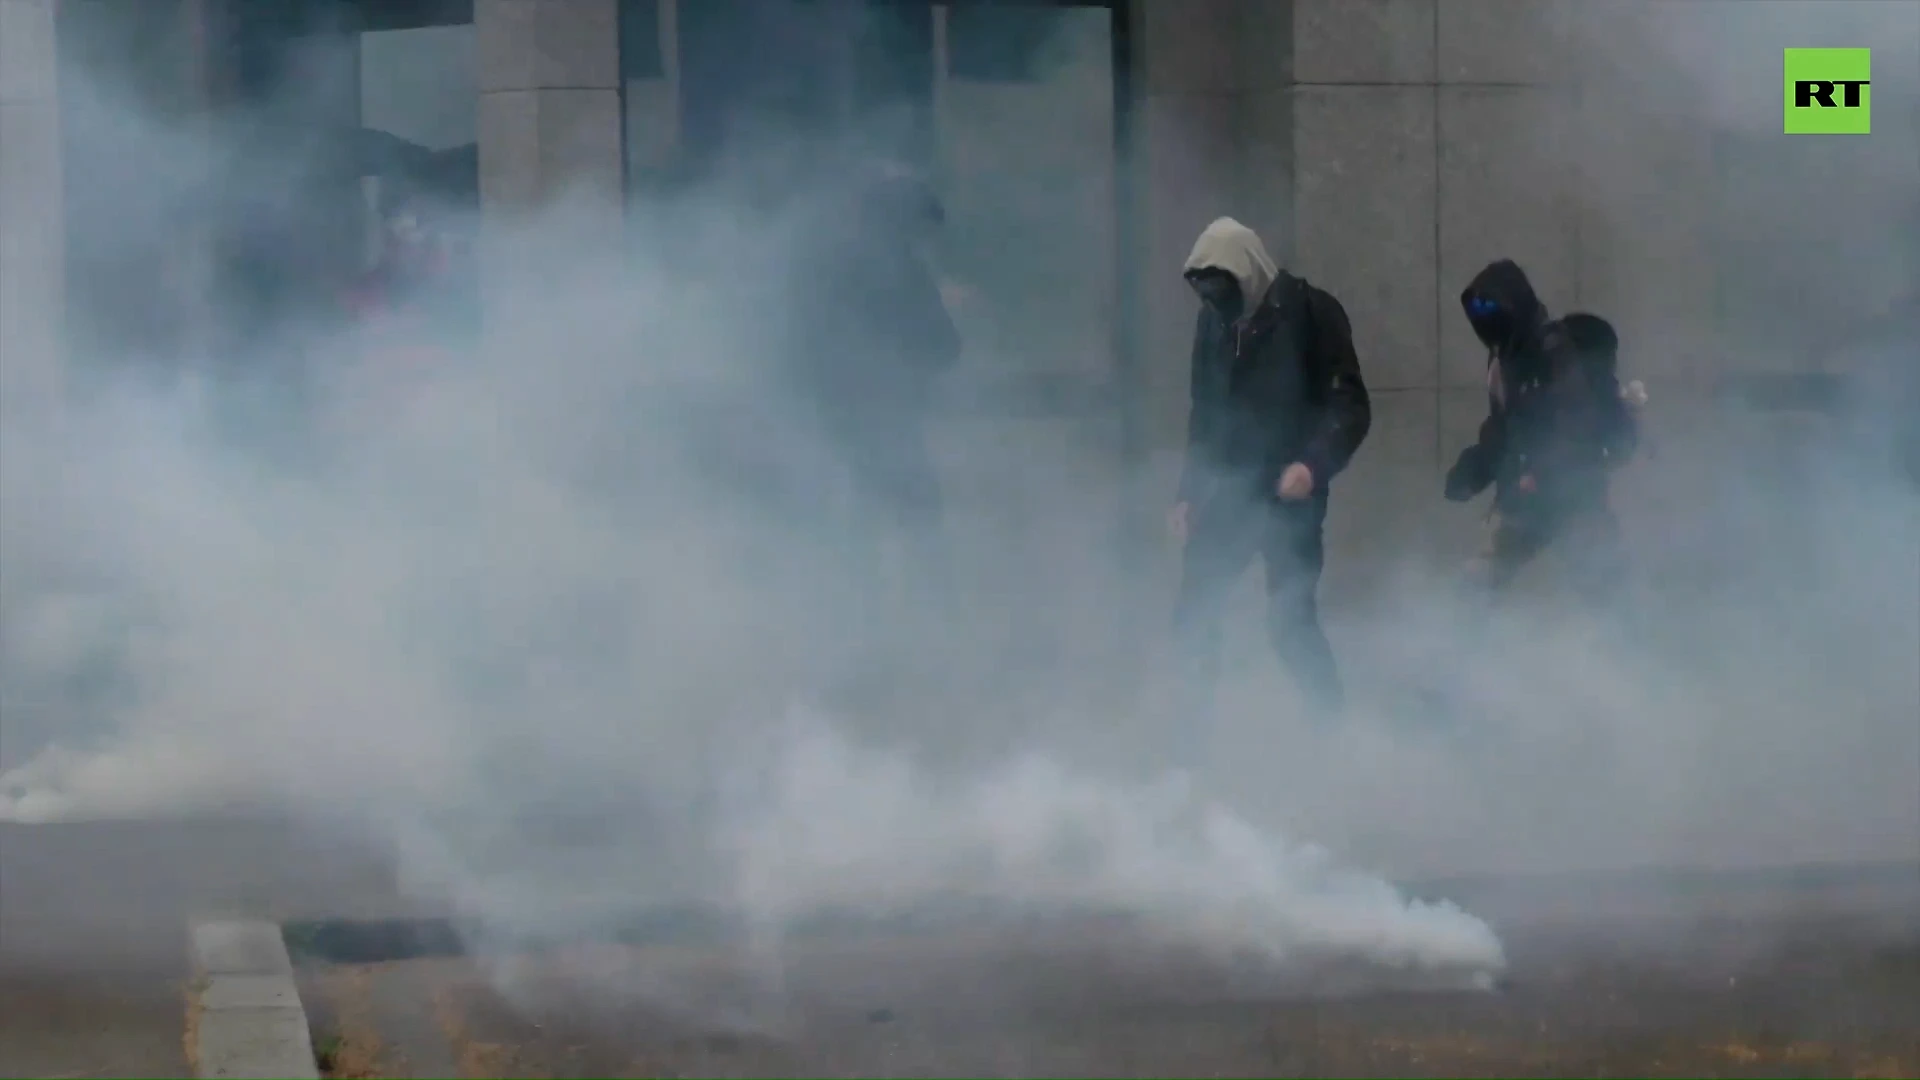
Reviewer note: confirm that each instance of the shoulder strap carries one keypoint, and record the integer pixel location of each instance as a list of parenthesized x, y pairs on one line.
[(1309, 314)]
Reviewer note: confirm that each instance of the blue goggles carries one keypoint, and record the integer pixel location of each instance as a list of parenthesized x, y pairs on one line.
[(1479, 307)]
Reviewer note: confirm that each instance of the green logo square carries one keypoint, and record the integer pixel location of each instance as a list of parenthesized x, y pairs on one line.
[(1828, 91)]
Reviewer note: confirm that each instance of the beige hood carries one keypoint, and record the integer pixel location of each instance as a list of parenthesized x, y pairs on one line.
[(1228, 245)]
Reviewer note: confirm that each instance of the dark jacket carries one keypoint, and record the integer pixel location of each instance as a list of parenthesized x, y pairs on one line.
[(1277, 386), (1554, 408), (867, 329)]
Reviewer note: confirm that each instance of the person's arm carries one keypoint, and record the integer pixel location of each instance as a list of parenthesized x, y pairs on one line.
[(1474, 470), (1346, 412), (1199, 410)]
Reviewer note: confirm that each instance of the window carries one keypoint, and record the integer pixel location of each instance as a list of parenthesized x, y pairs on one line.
[(349, 109), (1000, 42), (641, 56), (891, 105)]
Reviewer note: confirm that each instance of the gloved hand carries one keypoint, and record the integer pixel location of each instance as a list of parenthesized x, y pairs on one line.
[(1469, 476)]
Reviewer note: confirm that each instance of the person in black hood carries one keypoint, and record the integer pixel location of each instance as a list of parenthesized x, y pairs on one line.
[(1557, 424), (866, 337), (1278, 409), (871, 335)]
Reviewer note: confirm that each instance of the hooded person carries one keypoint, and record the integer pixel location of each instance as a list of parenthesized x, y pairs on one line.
[(865, 338), (414, 266), (412, 310), (870, 336), (1278, 409), (1557, 424)]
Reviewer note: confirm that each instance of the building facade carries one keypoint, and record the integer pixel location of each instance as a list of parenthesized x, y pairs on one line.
[(1385, 149)]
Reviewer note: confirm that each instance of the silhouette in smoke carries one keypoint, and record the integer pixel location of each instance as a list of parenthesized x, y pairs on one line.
[(1557, 424), (412, 310), (867, 338), (871, 336), (414, 261), (1279, 408)]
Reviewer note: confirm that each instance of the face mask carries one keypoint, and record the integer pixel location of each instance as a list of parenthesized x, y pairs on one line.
[(1489, 319), (1220, 292)]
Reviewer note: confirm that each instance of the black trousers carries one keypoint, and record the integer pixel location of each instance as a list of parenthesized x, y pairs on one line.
[(1589, 539), (1223, 536)]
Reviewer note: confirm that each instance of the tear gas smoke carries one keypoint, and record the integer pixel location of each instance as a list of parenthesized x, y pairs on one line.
[(527, 620)]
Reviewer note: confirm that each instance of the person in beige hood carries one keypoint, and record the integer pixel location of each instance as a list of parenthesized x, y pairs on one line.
[(1278, 409)]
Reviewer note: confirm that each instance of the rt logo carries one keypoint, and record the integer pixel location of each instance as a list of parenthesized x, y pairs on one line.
[(1829, 92)]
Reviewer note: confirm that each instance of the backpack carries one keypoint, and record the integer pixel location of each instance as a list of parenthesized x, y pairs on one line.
[(1596, 348)]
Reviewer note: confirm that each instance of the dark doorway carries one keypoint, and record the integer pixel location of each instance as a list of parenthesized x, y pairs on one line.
[(127, 84), (330, 115), (780, 87)]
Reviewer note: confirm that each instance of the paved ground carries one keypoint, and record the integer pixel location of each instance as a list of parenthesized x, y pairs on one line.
[(1735, 978), (93, 949), (112, 1024), (1816, 975)]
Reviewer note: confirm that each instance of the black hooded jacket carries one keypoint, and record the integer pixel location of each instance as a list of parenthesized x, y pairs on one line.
[(867, 331), (1554, 410), (1280, 385)]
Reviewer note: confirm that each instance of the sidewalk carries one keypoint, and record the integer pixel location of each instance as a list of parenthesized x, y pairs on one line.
[(93, 929), (103, 1023)]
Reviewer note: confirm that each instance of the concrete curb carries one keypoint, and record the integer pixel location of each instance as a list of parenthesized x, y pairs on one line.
[(248, 1020)]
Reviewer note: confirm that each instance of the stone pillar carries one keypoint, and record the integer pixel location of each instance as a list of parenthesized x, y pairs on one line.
[(1365, 204), (1399, 145), (32, 225), (653, 91), (1185, 165), (549, 125), (1503, 124)]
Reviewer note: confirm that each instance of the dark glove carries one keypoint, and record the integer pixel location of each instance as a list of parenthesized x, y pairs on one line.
[(1469, 476)]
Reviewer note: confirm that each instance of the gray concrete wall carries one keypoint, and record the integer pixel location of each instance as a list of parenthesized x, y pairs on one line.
[(1693, 201), (1416, 160), (1387, 149), (31, 240), (1317, 122), (653, 106), (1188, 90), (1027, 170), (549, 121)]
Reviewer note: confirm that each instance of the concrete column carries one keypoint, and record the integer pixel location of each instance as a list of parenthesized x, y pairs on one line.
[(1357, 122), (653, 95), (1650, 202), (549, 123), (1186, 171), (1506, 177), (32, 233)]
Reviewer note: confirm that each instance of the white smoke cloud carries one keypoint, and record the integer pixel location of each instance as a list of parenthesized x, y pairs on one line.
[(518, 621)]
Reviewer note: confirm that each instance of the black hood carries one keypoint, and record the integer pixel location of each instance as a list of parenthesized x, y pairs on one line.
[(1590, 333), (1506, 285)]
